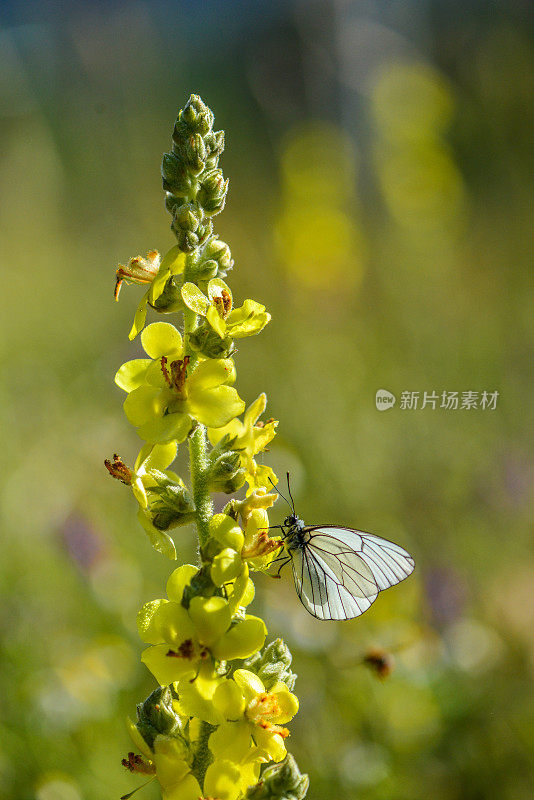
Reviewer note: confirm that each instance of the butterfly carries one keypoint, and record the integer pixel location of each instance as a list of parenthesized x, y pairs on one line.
[(338, 572)]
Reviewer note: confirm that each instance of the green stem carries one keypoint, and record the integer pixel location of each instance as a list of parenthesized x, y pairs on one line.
[(198, 466), (198, 457)]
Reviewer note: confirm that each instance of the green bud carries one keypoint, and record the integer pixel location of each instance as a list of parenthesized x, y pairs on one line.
[(169, 503), (214, 142), (204, 340), (157, 716), (170, 299), (188, 217), (172, 202), (204, 230), (226, 474), (195, 153), (187, 226), (196, 115), (282, 781), (176, 177), (212, 193), (272, 664), (219, 251), (207, 270)]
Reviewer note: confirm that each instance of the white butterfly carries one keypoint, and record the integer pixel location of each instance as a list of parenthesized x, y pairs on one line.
[(339, 572)]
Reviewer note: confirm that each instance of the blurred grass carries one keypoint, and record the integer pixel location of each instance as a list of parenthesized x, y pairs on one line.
[(382, 211)]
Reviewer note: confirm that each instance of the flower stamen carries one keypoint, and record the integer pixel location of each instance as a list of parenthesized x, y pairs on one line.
[(135, 763), (119, 470), (139, 270)]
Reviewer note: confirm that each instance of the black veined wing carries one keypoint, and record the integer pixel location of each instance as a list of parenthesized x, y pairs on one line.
[(339, 572)]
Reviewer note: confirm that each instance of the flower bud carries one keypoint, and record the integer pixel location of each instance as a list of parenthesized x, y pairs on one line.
[(195, 154), (226, 474), (187, 227), (212, 193), (282, 781), (196, 115), (272, 664), (214, 142), (188, 217), (175, 175), (170, 299), (206, 341), (157, 716), (219, 251), (169, 504)]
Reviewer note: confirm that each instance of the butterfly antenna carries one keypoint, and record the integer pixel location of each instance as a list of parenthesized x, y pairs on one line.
[(127, 796), (291, 496), (280, 493)]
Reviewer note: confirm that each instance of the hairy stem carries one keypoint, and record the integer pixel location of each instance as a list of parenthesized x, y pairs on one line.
[(198, 465)]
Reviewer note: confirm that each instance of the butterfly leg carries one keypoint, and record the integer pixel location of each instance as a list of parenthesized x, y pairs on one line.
[(283, 560)]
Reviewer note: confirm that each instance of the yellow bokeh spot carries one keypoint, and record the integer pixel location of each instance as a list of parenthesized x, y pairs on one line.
[(318, 161), (320, 246), (410, 101)]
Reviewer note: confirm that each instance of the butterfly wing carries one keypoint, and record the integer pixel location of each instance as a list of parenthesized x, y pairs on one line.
[(338, 572)]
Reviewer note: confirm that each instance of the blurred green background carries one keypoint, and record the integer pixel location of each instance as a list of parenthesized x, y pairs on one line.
[(381, 196)]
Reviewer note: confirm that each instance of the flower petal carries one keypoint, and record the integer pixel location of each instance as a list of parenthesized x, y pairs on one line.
[(187, 789), (249, 683), (229, 701), (160, 456), (132, 374), (255, 410), (165, 428), (211, 617), (142, 404), (146, 624), (226, 566), (174, 626), (226, 531), (216, 321), (242, 640), (166, 669), (251, 327), (212, 373), (162, 339), (178, 580), (139, 318), (138, 740), (196, 696), (215, 407), (271, 743), (160, 541), (223, 780), (194, 299)]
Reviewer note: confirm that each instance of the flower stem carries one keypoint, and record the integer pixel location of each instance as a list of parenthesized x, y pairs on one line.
[(198, 465)]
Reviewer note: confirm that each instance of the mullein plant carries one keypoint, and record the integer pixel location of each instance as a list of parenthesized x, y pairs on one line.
[(215, 726)]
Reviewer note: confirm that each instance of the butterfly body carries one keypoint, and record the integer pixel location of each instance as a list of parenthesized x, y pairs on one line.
[(339, 572)]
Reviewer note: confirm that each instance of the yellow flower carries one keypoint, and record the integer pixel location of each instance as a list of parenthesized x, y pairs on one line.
[(183, 639), (163, 400), (235, 323), (173, 770), (249, 438), (253, 719), (154, 271)]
